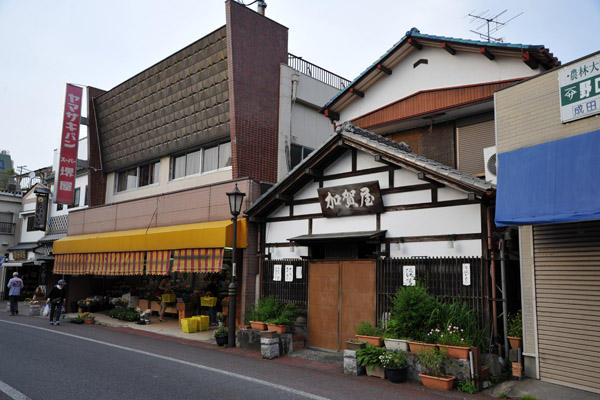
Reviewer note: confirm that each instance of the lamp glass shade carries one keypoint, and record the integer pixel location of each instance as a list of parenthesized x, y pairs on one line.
[(235, 200)]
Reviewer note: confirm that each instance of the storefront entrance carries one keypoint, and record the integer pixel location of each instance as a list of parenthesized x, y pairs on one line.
[(340, 295)]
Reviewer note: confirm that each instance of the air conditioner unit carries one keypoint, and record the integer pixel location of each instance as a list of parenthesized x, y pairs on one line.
[(491, 164)]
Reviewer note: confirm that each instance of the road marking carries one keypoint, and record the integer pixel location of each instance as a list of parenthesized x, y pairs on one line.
[(215, 370), (12, 392)]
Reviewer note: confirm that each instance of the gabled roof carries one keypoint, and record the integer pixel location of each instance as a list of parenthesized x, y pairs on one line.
[(532, 55), (394, 153)]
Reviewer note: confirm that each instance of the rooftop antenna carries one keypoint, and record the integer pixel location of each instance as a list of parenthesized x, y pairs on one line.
[(488, 20)]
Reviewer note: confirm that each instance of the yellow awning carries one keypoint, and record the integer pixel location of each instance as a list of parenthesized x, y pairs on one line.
[(204, 235)]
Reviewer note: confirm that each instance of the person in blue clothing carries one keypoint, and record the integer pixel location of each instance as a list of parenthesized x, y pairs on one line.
[(57, 298), (14, 291)]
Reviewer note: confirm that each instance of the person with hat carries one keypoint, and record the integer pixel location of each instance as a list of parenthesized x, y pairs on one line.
[(14, 285), (56, 299)]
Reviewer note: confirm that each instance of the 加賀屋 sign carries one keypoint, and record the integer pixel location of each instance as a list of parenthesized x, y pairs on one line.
[(351, 199), (67, 165), (579, 89)]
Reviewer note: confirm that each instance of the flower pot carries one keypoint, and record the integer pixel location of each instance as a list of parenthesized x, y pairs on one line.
[(396, 344), (259, 326), (277, 328), (417, 347), (221, 340), (88, 321), (460, 352), (435, 382), (376, 371), (396, 375), (372, 340), (515, 342), (350, 345), (517, 369)]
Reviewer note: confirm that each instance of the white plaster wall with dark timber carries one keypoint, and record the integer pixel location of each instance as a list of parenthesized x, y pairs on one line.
[(421, 196), (404, 177), (282, 211), (309, 191), (303, 209), (447, 193), (433, 221), (462, 248), (366, 161), (353, 223), (341, 165), (280, 232), (382, 177)]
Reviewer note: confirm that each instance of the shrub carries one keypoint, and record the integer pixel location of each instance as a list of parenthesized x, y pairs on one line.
[(366, 329), (432, 361), (222, 331), (393, 359), (466, 387), (369, 356), (459, 314), (411, 313)]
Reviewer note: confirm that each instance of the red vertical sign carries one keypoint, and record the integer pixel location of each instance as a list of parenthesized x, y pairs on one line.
[(67, 165)]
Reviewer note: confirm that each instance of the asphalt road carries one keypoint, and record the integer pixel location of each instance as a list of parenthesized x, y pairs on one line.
[(70, 361)]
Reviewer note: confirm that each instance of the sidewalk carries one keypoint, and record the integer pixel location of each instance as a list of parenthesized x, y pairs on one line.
[(325, 360)]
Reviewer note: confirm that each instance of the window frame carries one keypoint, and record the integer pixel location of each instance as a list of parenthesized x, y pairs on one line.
[(154, 172)]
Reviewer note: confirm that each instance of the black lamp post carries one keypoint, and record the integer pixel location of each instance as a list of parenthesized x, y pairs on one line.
[(235, 207)]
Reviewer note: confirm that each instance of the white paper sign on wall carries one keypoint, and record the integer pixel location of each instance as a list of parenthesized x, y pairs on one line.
[(277, 272), (289, 273), (298, 272), (408, 275), (466, 273)]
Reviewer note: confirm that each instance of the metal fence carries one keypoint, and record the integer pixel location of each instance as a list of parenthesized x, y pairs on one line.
[(286, 290), (442, 276), (317, 72)]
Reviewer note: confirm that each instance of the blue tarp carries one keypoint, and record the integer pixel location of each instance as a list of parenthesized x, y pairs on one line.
[(552, 182)]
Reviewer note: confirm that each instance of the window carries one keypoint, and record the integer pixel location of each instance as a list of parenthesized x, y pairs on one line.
[(1, 164), (30, 223), (59, 207), (6, 223), (85, 199), (299, 153), (210, 159), (132, 178), (76, 194)]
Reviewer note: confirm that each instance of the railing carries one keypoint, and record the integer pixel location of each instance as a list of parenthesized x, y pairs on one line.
[(443, 277), (7, 228), (317, 72), (294, 291)]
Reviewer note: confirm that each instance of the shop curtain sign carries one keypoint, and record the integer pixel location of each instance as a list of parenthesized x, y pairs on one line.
[(466, 274), (289, 273), (579, 90), (351, 199), (277, 272), (67, 165), (408, 275)]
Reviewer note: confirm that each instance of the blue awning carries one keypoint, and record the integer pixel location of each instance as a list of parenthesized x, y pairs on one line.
[(551, 182)]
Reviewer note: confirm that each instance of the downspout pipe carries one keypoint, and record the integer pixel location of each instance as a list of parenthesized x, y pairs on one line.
[(504, 305), (493, 276)]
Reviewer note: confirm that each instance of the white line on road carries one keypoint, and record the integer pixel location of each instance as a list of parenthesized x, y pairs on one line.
[(12, 392), (215, 370)]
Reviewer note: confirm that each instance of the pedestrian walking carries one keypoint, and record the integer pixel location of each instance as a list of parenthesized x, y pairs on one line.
[(57, 298), (14, 291)]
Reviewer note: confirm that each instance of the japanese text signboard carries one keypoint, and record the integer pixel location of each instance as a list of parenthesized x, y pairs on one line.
[(67, 165), (351, 199), (579, 86)]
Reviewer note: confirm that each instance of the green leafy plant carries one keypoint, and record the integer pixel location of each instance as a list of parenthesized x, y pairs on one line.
[(222, 331), (411, 312), (76, 320), (432, 361), (367, 329), (528, 397), (460, 314), (393, 359), (515, 325), (503, 396), (466, 387), (369, 356), (451, 336)]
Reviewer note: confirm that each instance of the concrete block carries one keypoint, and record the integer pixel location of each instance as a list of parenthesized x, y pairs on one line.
[(492, 361), (269, 348), (351, 367)]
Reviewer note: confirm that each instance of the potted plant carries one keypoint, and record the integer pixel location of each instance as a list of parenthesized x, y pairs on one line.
[(88, 318), (515, 330), (369, 357), (391, 340), (221, 335), (395, 365), (266, 308), (452, 341), (433, 377), (286, 315), (366, 332), (355, 344), (77, 320)]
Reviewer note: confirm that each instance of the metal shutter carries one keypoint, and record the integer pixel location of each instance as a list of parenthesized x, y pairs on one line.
[(472, 139), (567, 275)]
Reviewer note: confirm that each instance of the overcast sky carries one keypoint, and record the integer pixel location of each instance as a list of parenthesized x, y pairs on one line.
[(45, 44)]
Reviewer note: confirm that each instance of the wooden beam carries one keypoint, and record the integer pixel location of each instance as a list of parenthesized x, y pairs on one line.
[(284, 197), (384, 69), (420, 61), (357, 92), (313, 172), (332, 115), (449, 49), (414, 44), (486, 53), (529, 60)]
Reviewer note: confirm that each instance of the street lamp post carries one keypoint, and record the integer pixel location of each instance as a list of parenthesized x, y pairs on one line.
[(235, 207)]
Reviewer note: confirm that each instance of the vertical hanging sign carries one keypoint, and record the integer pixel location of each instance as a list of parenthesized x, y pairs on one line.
[(67, 165)]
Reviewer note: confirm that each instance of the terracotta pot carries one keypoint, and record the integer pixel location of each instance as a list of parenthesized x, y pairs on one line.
[(517, 369), (259, 326), (417, 347), (89, 321), (396, 344), (355, 345), (515, 342), (372, 340), (459, 352), (435, 382), (277, 328), (377, 371)]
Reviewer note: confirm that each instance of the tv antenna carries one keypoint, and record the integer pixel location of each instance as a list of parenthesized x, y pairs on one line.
[(492, 22)]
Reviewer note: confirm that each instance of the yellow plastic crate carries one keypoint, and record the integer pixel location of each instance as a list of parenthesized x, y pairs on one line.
[(203, 321), (168, 298), (208, 301), (189, 325)]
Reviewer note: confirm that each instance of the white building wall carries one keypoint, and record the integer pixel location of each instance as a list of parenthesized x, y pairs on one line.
[(442, 71)]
